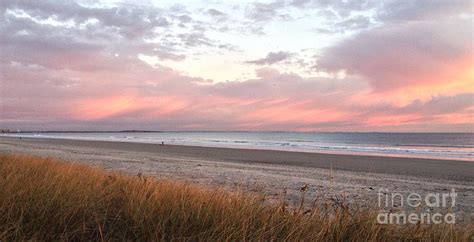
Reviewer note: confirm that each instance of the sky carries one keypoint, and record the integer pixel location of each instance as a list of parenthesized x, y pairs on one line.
[(296, 65)]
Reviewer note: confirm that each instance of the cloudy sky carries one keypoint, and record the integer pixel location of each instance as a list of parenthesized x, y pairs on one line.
[(297, 65)]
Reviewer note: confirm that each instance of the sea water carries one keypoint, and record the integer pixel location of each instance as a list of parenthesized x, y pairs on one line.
[(422, 145)]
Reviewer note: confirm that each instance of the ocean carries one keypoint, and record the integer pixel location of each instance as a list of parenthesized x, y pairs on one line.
[(421, 145)]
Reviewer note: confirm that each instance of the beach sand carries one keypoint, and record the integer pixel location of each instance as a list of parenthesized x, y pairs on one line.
[(356, 179)]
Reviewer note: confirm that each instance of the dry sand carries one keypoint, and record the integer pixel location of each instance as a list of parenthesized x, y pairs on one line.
[(356, 179)]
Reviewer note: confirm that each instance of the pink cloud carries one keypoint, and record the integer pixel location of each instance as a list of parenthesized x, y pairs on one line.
[(399, 55), (411, 75)]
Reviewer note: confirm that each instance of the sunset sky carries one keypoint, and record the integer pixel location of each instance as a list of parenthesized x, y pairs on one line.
[(296, 65)]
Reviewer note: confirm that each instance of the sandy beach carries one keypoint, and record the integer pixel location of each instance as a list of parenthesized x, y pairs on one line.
[(353, 178)]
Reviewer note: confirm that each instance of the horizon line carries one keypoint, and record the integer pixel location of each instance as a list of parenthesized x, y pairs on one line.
[(224, 131)]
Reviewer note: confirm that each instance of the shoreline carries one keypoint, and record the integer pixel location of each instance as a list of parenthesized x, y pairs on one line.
[(356, 179), (425, 167), (397, 151)]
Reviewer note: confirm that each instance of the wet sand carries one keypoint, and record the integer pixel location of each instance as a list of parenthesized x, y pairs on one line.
[(356, 178)]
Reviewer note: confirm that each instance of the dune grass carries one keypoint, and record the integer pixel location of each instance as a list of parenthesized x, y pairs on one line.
[(48, 199)]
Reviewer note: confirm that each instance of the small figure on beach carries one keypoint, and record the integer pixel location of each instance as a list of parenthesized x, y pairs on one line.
[(162, 143)]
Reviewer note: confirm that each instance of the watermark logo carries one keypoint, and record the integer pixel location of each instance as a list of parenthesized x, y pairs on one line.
[(414, 208)]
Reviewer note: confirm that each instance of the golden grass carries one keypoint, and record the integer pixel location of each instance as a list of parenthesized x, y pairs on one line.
[(48, 199)]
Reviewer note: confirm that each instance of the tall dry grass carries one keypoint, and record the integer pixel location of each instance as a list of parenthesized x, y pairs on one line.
[(48, 199)]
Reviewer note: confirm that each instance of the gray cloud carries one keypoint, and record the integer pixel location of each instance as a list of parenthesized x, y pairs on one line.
[(271, 58), (354, 23), (397, 11), (397, 55), (112, 30), (95, 35), (130, 21), (261, 12), (358, 22), (441, 104), (215, 13), (195, 39)]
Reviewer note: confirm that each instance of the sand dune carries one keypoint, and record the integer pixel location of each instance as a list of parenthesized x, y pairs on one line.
[(356, 178)]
